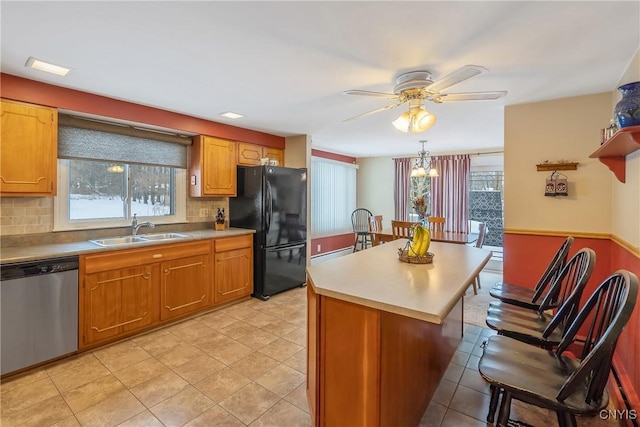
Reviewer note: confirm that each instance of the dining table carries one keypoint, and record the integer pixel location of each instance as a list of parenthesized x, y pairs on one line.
[(386, 235)]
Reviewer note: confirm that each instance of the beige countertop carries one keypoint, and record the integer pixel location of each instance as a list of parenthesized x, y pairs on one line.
[(54, 250), (376, 278)]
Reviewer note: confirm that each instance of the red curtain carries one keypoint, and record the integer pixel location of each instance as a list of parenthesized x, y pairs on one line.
[(450, 191), (401, 188)]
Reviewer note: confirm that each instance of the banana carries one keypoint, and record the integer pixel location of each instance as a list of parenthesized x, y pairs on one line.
[(416, 243), (425, 243)]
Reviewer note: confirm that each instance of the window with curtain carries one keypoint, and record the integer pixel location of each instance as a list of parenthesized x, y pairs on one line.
[(420, 186), (105, 178), (333, 196)]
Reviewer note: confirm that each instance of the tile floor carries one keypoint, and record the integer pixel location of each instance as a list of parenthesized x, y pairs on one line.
[(241, 365)]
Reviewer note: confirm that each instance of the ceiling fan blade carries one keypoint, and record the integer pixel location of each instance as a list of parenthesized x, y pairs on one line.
[(370, 93), (471, 96), (455, 77), (377, 110)]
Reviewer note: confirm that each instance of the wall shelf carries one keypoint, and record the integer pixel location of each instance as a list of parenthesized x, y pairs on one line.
[(614, 150), (564, 166)]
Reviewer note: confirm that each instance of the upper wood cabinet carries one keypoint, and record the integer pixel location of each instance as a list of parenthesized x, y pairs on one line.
[(29, 148), (250, 154), (212, 167)]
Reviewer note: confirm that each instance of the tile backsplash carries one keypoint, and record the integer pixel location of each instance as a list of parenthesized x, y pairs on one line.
[(20, 216)]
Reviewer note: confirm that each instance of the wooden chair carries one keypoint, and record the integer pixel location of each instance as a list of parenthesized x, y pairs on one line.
[(402, 229), (436, 223), (375, 225), (482, 231)]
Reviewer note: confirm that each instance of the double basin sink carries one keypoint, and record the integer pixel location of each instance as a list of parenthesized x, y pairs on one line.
[(124, 240)]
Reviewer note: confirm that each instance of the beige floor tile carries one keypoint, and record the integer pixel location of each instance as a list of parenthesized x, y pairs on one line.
[(215, 417), (298, 361), (158, 342), (222, 384), (444, 392), (433, 415), (143, 419), (241, 312), (78, 374), (71, 421), (111, 411), (249, 402), (280, 327), (159, 388), (141, 372), (199, 368), (43, 413), (68, 363), (283, 414), (281, 380), (456, 419), (298, 336), (190, 330), (179, 355), (257, 339), (281, 349), (237, 329), (121, 355), (298, 397), (92, 393), (217, 320), (260, 320), (212, 342), (254, 365), (20, 380), (230, 352), (28, 395), (182, 407), (470, 402)]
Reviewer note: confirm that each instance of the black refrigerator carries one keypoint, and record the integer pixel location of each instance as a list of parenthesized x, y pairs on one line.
[(273, 201)]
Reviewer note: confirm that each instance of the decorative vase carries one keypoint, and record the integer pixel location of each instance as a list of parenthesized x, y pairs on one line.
[(627, 110)]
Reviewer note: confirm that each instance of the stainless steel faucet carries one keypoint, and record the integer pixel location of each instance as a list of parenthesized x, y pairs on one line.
[(135, 226)]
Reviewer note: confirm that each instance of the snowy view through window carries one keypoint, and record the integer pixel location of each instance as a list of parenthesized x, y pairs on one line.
[(99, 190)]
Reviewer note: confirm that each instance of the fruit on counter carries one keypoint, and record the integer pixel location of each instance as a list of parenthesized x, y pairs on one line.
[(421, 241)]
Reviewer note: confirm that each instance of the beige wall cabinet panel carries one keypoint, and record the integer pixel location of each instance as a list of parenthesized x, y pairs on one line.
[(212, 167), (250, 154), (233, 269), (185, 286), (29, 146), (116, 302)]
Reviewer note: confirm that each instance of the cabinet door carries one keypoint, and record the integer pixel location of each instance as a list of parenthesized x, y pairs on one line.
[(249, 154), (116, 302), (219, 167), (185, 286), (29, 145), (233, 274), (274, 153)]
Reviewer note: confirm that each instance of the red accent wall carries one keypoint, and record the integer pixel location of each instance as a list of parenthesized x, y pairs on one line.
[(525, 258), (332, 243), (20, 89)]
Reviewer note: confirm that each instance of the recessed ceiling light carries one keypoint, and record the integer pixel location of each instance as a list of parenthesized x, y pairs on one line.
[(46, 66), (231, 115)]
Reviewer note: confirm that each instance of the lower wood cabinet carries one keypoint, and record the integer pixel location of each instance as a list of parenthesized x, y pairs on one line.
[(233, 268), (185, 286), (126, 291)]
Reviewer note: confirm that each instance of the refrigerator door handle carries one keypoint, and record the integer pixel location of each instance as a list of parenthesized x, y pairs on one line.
[(269, 210)]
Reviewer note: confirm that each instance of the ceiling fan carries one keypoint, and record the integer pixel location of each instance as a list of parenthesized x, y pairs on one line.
[(415, 87)]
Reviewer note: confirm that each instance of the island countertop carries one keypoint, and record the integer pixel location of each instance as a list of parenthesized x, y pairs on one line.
[(376, 278)]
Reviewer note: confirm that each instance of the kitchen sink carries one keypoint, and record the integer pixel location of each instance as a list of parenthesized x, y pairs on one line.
[(125, 240), (112, 241), (162, 236)]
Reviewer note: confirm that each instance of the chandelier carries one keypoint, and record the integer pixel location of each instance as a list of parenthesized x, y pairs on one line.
[(422, 166)]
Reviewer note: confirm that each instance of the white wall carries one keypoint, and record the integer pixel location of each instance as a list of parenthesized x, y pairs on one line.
[(625, 198), (374, 187)]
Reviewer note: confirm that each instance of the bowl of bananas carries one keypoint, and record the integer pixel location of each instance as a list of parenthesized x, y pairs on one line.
[(416, 251)]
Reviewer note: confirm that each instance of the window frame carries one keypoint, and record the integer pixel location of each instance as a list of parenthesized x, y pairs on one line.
[(62, 222)]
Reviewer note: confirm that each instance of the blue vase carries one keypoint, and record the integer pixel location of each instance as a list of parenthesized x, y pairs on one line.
[(627, 111)]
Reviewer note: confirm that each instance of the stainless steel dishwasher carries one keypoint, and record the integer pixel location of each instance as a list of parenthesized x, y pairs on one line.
[(39, 311)]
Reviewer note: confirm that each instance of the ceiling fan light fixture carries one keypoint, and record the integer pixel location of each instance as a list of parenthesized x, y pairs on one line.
[(416, 120)]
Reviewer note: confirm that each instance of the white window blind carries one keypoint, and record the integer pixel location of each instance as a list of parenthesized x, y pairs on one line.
[(333, 196)]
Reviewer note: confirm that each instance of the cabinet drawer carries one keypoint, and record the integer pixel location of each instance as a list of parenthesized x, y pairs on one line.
[(230, 243), (133, 257)]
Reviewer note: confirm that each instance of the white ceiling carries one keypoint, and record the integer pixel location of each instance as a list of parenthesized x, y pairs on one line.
[(284, 65)]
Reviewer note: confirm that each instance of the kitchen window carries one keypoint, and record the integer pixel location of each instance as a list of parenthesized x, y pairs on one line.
[(105, 178)]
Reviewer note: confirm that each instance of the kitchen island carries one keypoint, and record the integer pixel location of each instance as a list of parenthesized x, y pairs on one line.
[(382, 332)]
